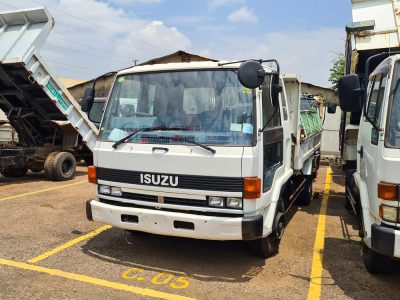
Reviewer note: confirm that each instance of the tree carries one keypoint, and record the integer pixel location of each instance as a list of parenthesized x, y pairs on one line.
[(337, 71)]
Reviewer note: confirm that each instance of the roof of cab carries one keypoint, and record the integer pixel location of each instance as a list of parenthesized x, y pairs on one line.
[(181, 66)]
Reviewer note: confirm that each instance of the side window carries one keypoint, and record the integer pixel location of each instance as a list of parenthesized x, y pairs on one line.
[(271, 115), (284, 106), (272, 137), (376, 92)]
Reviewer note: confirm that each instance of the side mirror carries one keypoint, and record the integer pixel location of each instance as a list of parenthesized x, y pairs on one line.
[(331, 106), (251, 74), (350, 93), (87, 101)]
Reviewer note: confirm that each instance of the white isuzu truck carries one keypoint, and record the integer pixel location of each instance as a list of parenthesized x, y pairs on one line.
[(370, 97), (203, 150)]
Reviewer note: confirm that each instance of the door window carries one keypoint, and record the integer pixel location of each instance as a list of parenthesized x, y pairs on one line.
[(273, 137)]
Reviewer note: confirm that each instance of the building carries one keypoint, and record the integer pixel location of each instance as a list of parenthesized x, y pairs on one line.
[(104, 82)]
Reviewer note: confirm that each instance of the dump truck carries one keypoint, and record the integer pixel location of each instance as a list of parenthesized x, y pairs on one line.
[(370, 97), (52, 130), (208, 150)]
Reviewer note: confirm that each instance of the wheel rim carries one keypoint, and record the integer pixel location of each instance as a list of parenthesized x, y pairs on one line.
[(66, 166)]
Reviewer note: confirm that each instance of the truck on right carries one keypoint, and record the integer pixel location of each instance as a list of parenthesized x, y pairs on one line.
[(369, 96)]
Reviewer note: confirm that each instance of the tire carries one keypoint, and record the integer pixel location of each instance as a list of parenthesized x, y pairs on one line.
[(305, 196), (266, 247), (347, 203), (375, 262), (14, 172), (48, 165), (64, 166)]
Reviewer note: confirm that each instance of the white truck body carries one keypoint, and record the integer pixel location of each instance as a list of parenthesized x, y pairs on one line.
[(166, 188), (373, 157)]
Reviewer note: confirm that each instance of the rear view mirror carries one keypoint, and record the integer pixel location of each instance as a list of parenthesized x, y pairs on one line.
[(350, 93), (87, 101), (331, 106), (251, 74)]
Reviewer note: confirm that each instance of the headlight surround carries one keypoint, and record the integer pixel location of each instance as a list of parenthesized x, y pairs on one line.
[(389, 213), (234, 202), (104, 189), (116, 191), (216, 201)]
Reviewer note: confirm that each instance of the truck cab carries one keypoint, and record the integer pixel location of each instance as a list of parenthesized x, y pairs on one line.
[(205, 153), (374, 186)]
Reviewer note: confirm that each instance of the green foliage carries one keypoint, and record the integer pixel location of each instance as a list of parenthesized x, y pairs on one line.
[(337, 71)]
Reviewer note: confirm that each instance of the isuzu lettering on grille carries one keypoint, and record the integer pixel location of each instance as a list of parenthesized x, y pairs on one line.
[(156, 179)]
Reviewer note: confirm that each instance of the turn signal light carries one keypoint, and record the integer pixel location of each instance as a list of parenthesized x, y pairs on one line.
[(92, 176), (387, 191), (252, 188)]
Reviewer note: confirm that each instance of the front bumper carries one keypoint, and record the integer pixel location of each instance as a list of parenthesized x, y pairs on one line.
[(385, 240), (176, 223)]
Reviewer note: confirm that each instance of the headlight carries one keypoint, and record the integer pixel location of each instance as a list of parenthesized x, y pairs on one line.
[(216, 201), (116, 191), (232, 202), (104, 189), (389, 213)]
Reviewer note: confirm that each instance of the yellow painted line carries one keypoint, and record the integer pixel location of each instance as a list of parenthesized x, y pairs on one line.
[(69, 244), (92, 280), (43, 191), (314, 291)]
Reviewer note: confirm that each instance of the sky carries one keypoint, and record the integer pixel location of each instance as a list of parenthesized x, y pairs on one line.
[(92, 37)]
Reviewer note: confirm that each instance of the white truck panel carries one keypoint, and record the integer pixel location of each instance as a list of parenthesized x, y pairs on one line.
[(385, 34), (303, 149)]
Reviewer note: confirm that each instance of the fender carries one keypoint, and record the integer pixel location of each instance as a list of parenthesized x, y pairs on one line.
[(269, 212), (368, 217), (307, 167)]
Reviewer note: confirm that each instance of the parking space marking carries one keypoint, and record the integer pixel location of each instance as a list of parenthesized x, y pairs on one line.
[(69, 244), (314, 291), (42, 191), (93, 280)]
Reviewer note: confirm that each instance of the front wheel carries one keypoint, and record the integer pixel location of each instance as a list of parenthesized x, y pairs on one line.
[(375, 262), (266, 247)]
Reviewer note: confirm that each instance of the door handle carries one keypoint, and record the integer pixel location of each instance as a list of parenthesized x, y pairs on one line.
[(160, 149), (361, 152)]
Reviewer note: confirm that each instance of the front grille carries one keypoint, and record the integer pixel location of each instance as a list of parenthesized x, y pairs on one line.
[(191, 182), (192, 212), (167, 200)]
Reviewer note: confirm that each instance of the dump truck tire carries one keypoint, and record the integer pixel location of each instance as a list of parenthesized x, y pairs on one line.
[(48, 165), (307, 193), (64, 166)]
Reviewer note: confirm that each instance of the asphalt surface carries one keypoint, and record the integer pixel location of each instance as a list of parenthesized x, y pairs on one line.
[(37, 215)]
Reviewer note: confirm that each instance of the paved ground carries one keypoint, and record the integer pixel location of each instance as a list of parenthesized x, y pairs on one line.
[(38, 216)]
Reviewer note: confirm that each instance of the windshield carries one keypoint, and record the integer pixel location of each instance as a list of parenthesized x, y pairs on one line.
[(211, 107), (393, 131)]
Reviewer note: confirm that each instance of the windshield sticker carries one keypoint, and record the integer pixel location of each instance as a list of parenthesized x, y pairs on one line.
[(117, 134), (121, 79), (247, 128), (236, 127)]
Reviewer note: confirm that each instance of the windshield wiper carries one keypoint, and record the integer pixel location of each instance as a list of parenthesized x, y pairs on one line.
[(124, 139), (190, 141)]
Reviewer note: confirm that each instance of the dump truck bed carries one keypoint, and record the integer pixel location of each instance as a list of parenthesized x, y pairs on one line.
[(36, 103)]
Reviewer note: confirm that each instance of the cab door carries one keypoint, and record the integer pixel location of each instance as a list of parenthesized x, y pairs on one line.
[(369, 138)]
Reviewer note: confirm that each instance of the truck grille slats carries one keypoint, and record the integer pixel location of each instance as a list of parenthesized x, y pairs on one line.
[(191, 182), (167, 200)]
